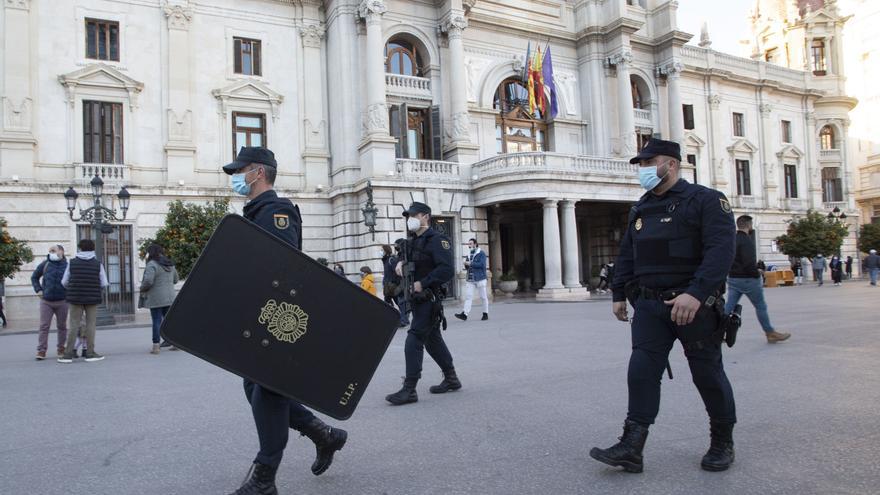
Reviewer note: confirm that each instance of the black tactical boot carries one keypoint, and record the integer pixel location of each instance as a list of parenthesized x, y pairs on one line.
[(450, 383), (627, 453), (405, 395), (261, 481), (327, 441), (720, 455)]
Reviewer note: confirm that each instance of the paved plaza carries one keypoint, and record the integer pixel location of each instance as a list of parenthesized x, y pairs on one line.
[(543, 382)]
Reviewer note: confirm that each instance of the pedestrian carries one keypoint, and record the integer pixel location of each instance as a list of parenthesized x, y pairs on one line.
[(85, 281), (157, 288), (819, 264), (872, 264), (836, 267), (367, 282), (475, 264), (399, 296), (603, 279), (674, 258), (389, 278), (2, 295), (431, 252), (339, 270), (848, 264), (46, 280), (797, 268), (253, 175), (744, 278)]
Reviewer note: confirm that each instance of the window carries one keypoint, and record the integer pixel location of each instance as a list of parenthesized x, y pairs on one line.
[(832, 186), (743, 179), (642, 139), (738, 125), (786, 131), (688, 111), (826, 138), (818, 50), (401, 57), (102, 40), (248, 129), (102, 132), (791, 189), (692, 169), (247, 56), (770, 55), (417, 131), (518, 130)]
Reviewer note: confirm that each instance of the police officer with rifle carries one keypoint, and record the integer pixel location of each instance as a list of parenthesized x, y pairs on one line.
[(674, 258), (426, 264)]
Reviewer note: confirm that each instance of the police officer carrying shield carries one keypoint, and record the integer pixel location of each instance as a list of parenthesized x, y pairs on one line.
[(674, 258), (253, 175), (431, 252)]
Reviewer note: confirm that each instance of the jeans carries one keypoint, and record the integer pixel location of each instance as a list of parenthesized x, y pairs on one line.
[(754, 290), (157, 315), (274, 415), (817, 274), (469, 295), (873, 273), (49, 309)]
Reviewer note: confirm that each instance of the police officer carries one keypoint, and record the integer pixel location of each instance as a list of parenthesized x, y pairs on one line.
[(431, 252), (674, 257), (253, 175)]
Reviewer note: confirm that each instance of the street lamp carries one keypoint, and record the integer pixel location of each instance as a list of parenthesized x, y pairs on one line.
[(370, 211), (838, 217)]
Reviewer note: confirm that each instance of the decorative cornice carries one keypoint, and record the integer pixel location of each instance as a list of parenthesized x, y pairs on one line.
[(714, 101), (622, 58), (372, 10), (101, 76), (179, 15), (312, 34), (248, 89), (454, 23), (766, 109), (18, 4)]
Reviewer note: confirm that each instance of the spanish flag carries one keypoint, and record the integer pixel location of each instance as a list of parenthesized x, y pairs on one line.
[(536, 83)]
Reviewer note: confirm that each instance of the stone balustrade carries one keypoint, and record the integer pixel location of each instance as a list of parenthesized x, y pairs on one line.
[(408, 86), (830, 155), (108, 172), (551, 162), (431, 169)]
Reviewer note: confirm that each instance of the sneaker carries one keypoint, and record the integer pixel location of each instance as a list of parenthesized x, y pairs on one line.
[(66, 358), (60, 351), (94, 356), (485, 317), (165, 343), (41, 355), (774, 337), (461, 316), (75, 354)]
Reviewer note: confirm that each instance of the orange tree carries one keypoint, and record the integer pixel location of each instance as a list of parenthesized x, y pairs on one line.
[(188, 226), (13, 253), (812, 234), (869, 237)]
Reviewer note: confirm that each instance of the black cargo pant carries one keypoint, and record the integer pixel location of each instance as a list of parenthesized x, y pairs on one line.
[(653, 334), (274, 415), (424, 335)]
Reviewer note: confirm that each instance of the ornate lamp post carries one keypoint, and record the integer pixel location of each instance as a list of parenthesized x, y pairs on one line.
[(99, 217), (838, 216), (370, 211)]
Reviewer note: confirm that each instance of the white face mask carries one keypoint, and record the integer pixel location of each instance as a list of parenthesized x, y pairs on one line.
[(54, 256), (413, 224)]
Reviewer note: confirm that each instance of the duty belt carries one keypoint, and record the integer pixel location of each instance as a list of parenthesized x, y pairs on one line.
[(659, 294)]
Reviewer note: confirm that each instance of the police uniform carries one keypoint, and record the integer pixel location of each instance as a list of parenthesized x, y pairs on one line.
[(679, 242), (431, 252), (275, 414)]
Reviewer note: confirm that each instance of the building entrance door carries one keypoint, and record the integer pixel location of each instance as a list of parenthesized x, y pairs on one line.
[(118, 264), (443, 225)]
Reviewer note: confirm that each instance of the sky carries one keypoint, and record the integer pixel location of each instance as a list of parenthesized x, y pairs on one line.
[(726, 20)]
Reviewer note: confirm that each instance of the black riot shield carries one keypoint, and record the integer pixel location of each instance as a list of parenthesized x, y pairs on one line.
[(263, 310)]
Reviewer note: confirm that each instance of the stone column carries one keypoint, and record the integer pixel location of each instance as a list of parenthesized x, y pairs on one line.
[(570, 262), (719, 167), (180, 149), (454, 26), (315, 154), (552, 258), (626, 129), (673, 90), (537, 258), (813, 166), (495, 246), (768, 160), (16, 134), (377, 148)]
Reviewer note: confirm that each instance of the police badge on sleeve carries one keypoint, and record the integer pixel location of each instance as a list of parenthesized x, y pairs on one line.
[(282, 221)]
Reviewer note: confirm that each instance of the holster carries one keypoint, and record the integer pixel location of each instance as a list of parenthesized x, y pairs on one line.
[(438, 319)]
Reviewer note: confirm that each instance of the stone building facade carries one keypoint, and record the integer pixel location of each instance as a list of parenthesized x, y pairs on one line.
[(404, 100)]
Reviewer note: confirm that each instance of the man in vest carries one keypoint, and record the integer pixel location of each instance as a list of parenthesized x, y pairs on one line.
[(85, 281)]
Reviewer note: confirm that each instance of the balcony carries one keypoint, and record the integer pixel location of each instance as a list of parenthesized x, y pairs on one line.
[(642, 117), (408, 87), (427, 169), (830, 155), (536, 162), (797, 204), (744, 201), (110, 173)]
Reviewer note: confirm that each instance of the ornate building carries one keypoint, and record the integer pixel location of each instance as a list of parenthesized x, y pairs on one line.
[(404, 100)]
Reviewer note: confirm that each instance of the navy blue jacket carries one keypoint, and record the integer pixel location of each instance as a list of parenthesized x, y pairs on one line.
[(432, 255), (51, 272), (275, 215), (683, 239)]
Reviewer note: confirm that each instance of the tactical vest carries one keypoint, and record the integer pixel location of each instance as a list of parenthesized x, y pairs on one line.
[(84, 284), (421, 256), (666, 234)]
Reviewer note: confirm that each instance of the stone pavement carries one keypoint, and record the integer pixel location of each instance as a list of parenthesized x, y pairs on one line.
[(542, 384)]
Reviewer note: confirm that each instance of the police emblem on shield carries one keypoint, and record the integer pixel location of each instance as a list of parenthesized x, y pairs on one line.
[(287, 322), (445, 244), (725, 205), (638, 224), (281, 221)]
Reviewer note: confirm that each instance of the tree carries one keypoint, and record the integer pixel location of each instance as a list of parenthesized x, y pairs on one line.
[(188, 226), (869, 237), (811, 235), (13, 253)]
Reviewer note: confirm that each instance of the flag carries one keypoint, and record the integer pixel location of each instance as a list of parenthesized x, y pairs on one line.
[(547, 80), (531, 84), (524, 75), (536, 86)]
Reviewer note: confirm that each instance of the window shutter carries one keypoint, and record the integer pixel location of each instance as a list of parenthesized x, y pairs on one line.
[(436, 134), (236, 53), (258, 68), (117, 134), (87, 132), (403, 122), (394, 122)]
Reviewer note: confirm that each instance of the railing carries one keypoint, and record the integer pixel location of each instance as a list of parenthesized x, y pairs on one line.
[(431, 169), (699, 57), (108, 172), (552, 162), (642, 116), (795, 204), (408, 86), (829, 155), (744, 201)]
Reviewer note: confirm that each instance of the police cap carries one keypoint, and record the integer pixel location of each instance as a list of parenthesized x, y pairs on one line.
[(417, 207), (658, 147), (251, 154)]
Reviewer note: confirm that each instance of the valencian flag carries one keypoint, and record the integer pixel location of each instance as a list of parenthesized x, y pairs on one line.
[(536, 83), (547, 80)]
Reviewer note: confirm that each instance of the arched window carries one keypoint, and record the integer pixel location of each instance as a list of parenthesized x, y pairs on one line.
[(826, 138), (402, 57), (641, 95), (517, 130)]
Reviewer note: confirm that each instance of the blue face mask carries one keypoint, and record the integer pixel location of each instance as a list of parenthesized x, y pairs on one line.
[(240, 184), (648, 177)]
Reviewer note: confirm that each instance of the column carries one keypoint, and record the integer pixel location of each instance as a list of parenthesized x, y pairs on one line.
[(767, 159), (813, 167), (315, 154), (16, 135), (717, 144), (454, 25), (179, 149), (376, 114), (673, 91), (552, 258), (626, 130), (570, 262), (537, 257), (495, 245)]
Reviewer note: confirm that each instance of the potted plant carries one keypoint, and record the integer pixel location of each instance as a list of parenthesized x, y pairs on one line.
[(508, 282)]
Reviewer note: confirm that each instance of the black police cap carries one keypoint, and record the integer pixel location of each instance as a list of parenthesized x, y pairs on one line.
[(417, 207), (251, 154), (658, 147)]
